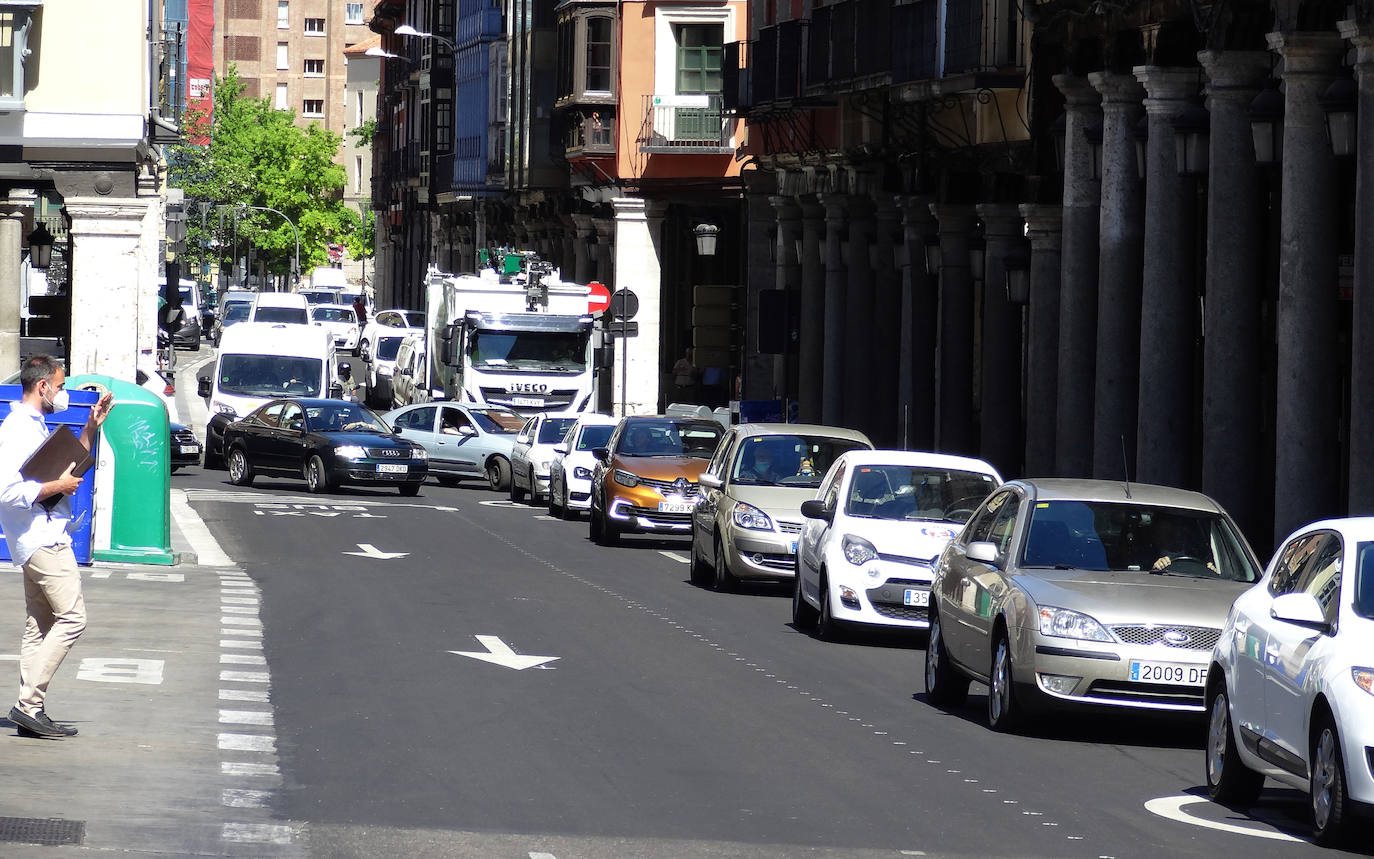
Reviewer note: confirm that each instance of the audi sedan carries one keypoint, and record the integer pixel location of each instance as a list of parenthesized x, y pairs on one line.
[(325, 442), (1062, 593)]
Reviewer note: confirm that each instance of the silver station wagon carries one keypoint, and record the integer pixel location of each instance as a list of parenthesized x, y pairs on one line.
[(1084, 592)]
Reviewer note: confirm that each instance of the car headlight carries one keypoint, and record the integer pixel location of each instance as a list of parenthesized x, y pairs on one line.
[(419, 453), (751, 517), (625, 478), (226, 410), (350, 451), (1364, 678), (384, 370), (541, 465), (582, 473), (857, 550), (1066, 623)]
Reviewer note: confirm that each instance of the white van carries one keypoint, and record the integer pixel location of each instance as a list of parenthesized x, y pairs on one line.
[(289, 307), (259, 361)]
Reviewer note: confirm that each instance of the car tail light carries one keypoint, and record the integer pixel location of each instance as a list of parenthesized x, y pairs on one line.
[(170, 390)]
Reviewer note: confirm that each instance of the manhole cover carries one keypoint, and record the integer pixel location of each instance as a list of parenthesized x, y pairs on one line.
[(51, 831)]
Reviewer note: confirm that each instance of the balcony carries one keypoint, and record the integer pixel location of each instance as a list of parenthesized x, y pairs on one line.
[(685, 125), (589, 134), (850, 44), (917, 27), (982, 36), (738, 76)]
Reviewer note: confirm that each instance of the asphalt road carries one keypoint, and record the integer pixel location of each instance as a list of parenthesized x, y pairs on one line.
[(670, 721)]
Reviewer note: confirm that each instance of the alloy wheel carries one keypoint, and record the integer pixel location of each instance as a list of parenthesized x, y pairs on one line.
[(1324, 779)]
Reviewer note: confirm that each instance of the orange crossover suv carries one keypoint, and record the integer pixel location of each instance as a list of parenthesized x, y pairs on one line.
[(646, 476)]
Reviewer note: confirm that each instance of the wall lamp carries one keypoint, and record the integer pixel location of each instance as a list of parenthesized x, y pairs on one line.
[(40, 246)]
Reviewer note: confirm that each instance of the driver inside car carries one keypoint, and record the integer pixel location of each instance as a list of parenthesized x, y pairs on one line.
[(1176, 539)]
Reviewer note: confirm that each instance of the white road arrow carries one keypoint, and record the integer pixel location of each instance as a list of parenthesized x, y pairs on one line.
[(371, 551), (499, 653)]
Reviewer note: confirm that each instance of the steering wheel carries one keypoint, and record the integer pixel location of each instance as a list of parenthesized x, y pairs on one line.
[(351, 425)]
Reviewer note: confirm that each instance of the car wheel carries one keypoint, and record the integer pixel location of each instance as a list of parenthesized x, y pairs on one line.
[(945, 686), (240, 471), (1332, 811), (555, 510), (1006, 710), (804, 617), (1229, 780), (594, 525), (174, 468), (723, 582), (409, 490), (446, 480), (210, 461), (827, 627), (609, 533), (316, 477), (533, 491), (699, 571), (517, 494), (498, 473)]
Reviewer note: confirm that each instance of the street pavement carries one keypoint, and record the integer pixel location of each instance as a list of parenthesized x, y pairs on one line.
[(452, 675)]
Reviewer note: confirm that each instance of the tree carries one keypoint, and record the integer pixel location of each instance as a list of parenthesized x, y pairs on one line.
[(360, 241), (257, 156)]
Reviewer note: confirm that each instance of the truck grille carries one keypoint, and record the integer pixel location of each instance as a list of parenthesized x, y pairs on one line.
[(554, 401)]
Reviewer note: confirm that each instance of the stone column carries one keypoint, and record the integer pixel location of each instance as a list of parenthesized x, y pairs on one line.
[(582, 257), (603, 252), (832, 376), (1168, 300), (638, 223), (885, 343), (787, 277), (1232, 343), (1116, 388), (1362, 310), (11, 285), (1306, 426), (1042, 336), (954, 431), (812, 369), (106, 235), (919, 327), (1000, 384), (759, 275), (858, 315), (1078, 284)]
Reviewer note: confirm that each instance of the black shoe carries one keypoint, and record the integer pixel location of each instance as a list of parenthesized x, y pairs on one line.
[(40, 725)]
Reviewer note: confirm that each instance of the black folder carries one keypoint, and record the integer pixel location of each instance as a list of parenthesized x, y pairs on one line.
[(60, 449)]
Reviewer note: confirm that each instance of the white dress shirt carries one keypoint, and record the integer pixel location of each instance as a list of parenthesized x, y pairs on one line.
[(27, 525)]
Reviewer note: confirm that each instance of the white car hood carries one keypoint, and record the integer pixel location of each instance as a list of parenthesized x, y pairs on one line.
[(918, 538)]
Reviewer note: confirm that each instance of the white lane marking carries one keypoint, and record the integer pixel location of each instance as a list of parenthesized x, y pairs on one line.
[(247, 742), (247, 633), (101, 670), (157, 577), (207, 548), (245, 717), (257, 833), (239, 601), (1172, 808), (243, 644), (500, 653), (239, 609), (254, 695), (241, 659), (537, 855), (512, 505), (244, 677), (241, 768), (544, 517), (674, 556), (240, 621), (240, 798), (99, 574), (371, 551)]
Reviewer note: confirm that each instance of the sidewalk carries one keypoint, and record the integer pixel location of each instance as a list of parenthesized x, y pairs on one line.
[(170, 690)]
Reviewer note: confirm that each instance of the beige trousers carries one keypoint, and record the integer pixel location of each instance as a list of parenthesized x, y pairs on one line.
[(57, 617)]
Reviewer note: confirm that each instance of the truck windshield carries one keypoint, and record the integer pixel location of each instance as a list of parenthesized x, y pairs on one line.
[(269, 376), (548, 351)]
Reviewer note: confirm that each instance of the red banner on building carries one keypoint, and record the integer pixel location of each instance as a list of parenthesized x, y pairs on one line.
[(200, 61)]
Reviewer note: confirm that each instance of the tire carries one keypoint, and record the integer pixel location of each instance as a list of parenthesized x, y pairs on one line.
[(409, 490), (517, 494), (211, 462), (175, 468), (498, 474), (317, 476), (240, 469), (609, 533), (945, 686), (556, 510), (1229, 781), (533, 492), (594, 526), (698, 571), (827, 627), (446, 480), (1333, 812), (1006, 709), (723, 581), (804, 617)]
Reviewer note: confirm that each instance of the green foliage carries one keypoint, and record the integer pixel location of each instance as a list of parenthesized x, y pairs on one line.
[(249, 154), (365, 132), (360, 241)]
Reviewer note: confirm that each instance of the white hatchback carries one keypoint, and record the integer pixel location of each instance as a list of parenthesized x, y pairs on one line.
[(532, 454), (570, 473), (1290, 693), (341, 321), (878, 524)]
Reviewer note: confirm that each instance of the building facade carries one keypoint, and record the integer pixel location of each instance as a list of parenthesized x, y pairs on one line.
[(360, 94)]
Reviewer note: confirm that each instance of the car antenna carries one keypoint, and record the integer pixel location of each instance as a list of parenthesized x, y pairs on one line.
[(1125, 467)]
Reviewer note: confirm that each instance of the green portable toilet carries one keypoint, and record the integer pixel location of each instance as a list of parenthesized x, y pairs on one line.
[(133, 476)]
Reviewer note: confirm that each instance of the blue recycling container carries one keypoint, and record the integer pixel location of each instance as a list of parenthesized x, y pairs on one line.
[(83, 502)]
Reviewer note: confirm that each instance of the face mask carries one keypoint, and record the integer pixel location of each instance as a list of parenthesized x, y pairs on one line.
[(60, 401)]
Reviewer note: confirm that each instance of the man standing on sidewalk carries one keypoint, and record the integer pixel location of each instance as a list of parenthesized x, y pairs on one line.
[(39, 539)]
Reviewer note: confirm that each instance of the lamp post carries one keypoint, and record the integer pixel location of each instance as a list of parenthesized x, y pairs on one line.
[(706, 234), (407, 30), (1340, 101), (296, 260), (1266, 124), (1192, 134), (40, 246)]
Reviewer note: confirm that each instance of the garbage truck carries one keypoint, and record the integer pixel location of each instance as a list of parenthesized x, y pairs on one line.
[(513, 335)]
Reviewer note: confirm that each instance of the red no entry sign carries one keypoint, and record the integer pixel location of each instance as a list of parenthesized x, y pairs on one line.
[(598, 297)]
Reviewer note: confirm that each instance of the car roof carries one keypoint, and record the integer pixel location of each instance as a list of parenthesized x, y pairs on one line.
[(279, 299), (919, 457), (289, 339), (596, 419), (758, 429), (1358, 528), (323, 306), (1116, 491)]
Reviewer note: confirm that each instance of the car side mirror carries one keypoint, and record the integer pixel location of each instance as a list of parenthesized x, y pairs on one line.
[(522, 439), (397, 429), (710, 481), (335, 391), (561, 448), (983, 552), (1300, 609), (816, 509), (601, 454), (203, 387), (467, 431)]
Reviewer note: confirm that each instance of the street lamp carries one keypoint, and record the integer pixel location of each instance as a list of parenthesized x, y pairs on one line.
[(706, 235), (407, 30), (383, 53), (932, 253), (1266, 124), (1017, 267), (40, 246), (1192, 136), (1340, 102)]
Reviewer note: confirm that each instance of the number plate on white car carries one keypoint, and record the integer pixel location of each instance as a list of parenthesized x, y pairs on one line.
[(392, 468), (528, 402), (190, 448), (916, 597), (675, 506), (1172, 673)]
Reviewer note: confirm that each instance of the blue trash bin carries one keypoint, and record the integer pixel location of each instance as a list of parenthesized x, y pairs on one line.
[(83, 502)]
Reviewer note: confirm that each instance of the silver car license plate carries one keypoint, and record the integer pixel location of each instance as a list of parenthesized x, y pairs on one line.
[(392, 468), (1170, 673), (916, 597)]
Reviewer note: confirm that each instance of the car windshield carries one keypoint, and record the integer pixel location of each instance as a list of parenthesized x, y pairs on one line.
[(670, 438), (236, 312), (281, 314), (321, 297), (498, 421), (788, 460), (332, 314), (387, 348), (1152, 540), (415, 318), (554, 429), (269, 375), (343, 417), (594, 436), (916, 492), (1364, 580), (545, 351)]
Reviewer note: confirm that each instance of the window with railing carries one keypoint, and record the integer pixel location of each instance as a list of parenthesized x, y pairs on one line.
[(590, 134)]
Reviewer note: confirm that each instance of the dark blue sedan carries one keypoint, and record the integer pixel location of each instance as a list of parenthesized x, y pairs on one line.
[(325, 442)]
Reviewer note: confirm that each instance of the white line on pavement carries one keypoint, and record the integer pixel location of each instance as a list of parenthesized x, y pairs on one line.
[(247, 742), (257, 833), (207, 548), (255, 695), (245, 717), (238, 798), (674, 556)]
